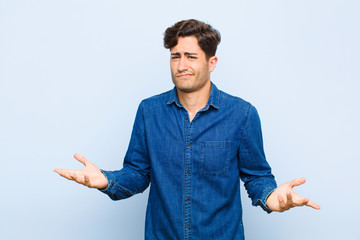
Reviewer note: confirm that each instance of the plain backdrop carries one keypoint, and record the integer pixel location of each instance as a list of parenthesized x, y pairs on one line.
[(72, 74)]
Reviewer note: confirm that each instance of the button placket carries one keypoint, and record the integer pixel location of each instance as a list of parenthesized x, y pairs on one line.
[(187, 179)]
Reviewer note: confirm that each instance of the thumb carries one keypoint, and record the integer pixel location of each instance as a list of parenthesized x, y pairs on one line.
[(297, 181), (80, 158)]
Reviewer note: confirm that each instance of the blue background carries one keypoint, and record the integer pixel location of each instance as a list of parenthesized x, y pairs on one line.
[(72, 74)]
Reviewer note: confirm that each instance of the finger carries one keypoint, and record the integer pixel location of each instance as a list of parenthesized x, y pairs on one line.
[(66, 173), (301, 202), (77, 177), (289, 199), (86, 180), (297, 181), (70, 175), (281, 202), (313, 205), (80, 158)]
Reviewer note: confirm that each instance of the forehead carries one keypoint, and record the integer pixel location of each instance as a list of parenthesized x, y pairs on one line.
[(187, 44)]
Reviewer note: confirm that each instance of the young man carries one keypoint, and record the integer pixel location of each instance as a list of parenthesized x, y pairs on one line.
[(193, 144)]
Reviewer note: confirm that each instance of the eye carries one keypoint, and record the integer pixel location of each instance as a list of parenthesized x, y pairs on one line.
[(192, 57)]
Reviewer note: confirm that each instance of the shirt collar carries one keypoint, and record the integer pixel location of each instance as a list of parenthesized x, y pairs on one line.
[(213, 98)]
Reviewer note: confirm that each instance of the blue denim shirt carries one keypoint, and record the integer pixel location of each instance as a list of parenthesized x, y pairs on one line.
[(194, 167)]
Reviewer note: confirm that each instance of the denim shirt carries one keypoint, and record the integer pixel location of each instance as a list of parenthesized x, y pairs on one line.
[(194, 167)]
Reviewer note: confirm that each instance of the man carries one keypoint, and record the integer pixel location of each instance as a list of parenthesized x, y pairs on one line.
[(193, 144)]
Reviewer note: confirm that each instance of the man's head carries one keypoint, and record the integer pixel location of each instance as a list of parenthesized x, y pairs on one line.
[(208, 37), (192, 45)]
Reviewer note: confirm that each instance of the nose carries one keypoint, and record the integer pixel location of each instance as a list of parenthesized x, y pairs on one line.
[(182, 65)]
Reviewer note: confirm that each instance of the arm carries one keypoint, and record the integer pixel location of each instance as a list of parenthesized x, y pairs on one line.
[(256, 173), (133, 178), (254, 170)]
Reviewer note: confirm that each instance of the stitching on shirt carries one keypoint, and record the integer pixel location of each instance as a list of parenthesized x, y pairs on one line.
[(126, 191), (207, 145), (243, 127)]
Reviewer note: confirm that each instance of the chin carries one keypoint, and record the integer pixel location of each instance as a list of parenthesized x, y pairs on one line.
[(186, 90), (182, 85)]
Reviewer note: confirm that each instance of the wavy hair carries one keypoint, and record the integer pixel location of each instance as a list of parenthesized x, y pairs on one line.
[(208, 37)]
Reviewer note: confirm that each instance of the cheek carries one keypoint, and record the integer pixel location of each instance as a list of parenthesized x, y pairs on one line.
[(172, 68)]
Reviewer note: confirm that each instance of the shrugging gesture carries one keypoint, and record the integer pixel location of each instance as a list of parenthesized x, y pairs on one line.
[(90, 176), (283, 198)]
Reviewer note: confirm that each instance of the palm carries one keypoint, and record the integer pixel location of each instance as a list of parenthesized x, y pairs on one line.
[(90, 176)]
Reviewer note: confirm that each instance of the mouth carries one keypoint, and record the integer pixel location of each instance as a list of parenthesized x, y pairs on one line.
[(184, 75)]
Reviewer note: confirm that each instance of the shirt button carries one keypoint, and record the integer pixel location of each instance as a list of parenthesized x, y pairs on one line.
[(186, 118), (189, 144), (187, 226), (187, 171), (187, 199)]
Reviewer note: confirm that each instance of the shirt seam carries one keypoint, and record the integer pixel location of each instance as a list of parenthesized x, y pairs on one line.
[(244, 125)]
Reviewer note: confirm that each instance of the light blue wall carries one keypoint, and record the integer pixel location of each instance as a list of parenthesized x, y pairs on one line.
[(72, 74)]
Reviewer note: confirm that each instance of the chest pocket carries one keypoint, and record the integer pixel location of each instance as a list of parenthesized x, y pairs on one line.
[(214, 157)]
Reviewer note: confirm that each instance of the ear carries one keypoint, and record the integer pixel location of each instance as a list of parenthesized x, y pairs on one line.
[(212, 63)]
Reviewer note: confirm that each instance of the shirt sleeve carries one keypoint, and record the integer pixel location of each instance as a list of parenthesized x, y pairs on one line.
[(255, 171), (134, 177)]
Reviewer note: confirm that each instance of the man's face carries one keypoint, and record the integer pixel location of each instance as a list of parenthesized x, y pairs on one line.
[(190, 70)]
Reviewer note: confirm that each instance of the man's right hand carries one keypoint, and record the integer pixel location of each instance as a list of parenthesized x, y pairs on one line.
[(90, 176)]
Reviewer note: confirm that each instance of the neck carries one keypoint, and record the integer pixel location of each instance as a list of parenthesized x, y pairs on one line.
[(194, 101)]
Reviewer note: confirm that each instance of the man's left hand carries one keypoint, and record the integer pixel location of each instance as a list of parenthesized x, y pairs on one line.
[(283, 197)]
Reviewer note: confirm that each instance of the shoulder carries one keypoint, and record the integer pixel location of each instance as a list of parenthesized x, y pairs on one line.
[(230, 100), (239, 108), (158, 99)]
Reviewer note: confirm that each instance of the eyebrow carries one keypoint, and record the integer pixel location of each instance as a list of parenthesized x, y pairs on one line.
[(186, 54)]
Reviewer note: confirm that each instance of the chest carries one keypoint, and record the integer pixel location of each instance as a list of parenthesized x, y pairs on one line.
[(208, 144)]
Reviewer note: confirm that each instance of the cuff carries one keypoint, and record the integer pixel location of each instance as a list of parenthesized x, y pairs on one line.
[(262, 202), (110, 178)]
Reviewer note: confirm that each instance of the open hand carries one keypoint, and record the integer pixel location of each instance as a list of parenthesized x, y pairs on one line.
[(283, 197), (90, 176)]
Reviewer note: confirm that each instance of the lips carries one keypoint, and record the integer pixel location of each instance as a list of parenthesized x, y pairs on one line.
[(184, 75)]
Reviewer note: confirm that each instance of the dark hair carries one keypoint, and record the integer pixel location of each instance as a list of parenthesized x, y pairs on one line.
[(208, 37)]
